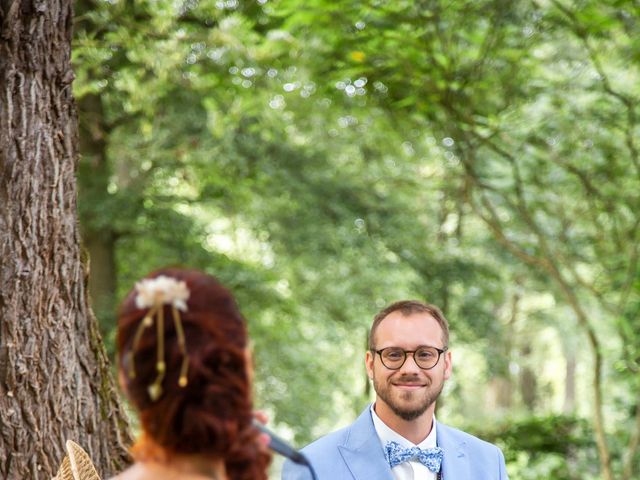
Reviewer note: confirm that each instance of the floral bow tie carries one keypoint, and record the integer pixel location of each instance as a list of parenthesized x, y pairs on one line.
[(430, 458)]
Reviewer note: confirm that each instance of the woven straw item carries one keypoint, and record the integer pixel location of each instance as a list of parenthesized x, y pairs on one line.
[(77, 465)]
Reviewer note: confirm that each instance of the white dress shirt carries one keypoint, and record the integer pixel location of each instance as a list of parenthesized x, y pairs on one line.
[(411, 470)]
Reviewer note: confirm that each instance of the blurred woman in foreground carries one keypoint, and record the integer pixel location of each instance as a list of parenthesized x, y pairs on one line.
[(184, 364)]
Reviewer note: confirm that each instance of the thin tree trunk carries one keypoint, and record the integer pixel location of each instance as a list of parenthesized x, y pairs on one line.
[(99, 237), (501, 388), (630, 464), (569, 405), (528, 380), (54, 377), (102, 275)]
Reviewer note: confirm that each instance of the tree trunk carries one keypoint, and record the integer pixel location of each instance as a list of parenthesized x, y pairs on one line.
[(569, 405), (528, 380), (102, 275), (499, 394), (54, 376), (98, 236)]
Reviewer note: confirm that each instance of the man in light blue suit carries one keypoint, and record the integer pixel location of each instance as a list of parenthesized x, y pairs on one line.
[(398, 437)]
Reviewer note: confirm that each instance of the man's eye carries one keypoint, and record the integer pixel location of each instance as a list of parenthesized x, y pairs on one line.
[(425, 354)]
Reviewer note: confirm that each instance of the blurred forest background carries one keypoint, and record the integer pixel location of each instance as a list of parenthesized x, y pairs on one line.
[(324, 158)]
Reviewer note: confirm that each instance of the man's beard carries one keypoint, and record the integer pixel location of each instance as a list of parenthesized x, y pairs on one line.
[(429, 395)]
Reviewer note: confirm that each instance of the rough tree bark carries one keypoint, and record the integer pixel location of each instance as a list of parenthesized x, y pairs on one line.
[(54, 377)]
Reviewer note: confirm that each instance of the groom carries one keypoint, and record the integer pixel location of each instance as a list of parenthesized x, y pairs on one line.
[(398, 437)]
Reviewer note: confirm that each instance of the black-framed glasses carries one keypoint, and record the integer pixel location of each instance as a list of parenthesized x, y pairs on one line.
[(425, 357)]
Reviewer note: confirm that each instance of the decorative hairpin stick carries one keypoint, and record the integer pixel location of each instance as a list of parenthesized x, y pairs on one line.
[(182, 380), (154, 294), (147, 321)]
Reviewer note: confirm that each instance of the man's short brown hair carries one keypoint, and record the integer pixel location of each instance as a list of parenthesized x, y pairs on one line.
[(409, 307)]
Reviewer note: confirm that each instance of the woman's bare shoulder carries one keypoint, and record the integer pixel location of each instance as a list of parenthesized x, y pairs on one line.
[(135, 472), (139, 471)]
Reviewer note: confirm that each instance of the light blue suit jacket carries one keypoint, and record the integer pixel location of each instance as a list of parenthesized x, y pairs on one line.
[(355, 453)]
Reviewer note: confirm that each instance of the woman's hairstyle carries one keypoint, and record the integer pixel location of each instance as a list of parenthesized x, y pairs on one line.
[(189, 378)]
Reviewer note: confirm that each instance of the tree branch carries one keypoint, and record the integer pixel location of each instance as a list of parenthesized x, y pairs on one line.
[(629, 460)]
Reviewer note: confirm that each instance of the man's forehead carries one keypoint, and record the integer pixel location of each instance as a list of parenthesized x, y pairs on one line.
[(401, 324)]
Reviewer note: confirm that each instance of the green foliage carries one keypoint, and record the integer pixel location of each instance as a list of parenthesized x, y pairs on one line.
[(556, 446), (324, 160), (559, 434)]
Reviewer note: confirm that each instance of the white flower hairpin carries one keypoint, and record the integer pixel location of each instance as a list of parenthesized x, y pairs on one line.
[(154, 294)]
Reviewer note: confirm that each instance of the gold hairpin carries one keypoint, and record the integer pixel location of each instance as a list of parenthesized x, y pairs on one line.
[(154, 294), (182, 380)]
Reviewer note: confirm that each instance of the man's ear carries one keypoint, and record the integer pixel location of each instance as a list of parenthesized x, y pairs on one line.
[(448, 366), (368, 362)]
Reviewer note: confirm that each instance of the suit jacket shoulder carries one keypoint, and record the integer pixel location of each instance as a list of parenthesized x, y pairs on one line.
[(353, 452), (462, 436), (466, 456)]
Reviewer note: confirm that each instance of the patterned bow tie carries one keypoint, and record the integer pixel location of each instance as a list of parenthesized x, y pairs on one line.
[(430, 458)]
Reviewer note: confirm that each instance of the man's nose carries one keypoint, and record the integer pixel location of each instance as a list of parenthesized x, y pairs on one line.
[(410, 364)]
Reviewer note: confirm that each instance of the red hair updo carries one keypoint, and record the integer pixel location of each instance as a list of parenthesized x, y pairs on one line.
[(212, 414)]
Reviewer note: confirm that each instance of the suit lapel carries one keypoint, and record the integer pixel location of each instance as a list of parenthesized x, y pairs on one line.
[(362, 451), (455, 465)]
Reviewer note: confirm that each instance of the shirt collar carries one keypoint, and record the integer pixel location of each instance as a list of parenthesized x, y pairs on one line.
[(386, 434)]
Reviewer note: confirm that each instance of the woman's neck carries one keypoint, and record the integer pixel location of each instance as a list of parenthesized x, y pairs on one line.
[(192, 467), (154, 461), (198, 465)]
